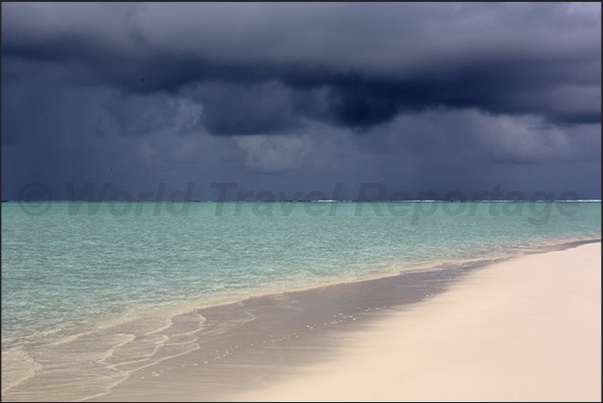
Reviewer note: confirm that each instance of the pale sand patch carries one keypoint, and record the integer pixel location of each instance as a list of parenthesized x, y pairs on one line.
[(525, 329)]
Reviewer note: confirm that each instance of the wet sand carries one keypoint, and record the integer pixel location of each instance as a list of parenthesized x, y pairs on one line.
[(522, 329)]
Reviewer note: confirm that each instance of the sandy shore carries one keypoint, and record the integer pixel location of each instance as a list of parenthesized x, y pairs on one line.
[(524, 329)]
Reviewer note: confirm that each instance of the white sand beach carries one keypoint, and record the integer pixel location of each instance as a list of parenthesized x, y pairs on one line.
[(525, 329)]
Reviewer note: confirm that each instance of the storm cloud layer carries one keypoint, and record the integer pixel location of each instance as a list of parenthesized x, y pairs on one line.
[(302, 96)]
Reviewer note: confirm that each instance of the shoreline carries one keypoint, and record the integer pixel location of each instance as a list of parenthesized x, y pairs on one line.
[(294, 341), (527, 329)]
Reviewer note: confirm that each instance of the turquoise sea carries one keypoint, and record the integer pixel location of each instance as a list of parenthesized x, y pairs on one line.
[(94, 291)]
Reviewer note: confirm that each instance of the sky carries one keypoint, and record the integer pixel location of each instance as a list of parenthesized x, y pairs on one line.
[(289, 98)]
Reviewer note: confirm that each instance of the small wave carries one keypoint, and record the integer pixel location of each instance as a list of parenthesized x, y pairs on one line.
[(17, 366), (95, 359)]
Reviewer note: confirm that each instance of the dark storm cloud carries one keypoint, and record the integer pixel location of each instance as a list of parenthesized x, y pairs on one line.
[(245, 109), (375, 60), (297, 97)]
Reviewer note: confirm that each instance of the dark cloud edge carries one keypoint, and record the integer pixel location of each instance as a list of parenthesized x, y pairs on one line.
[(357, 100)]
